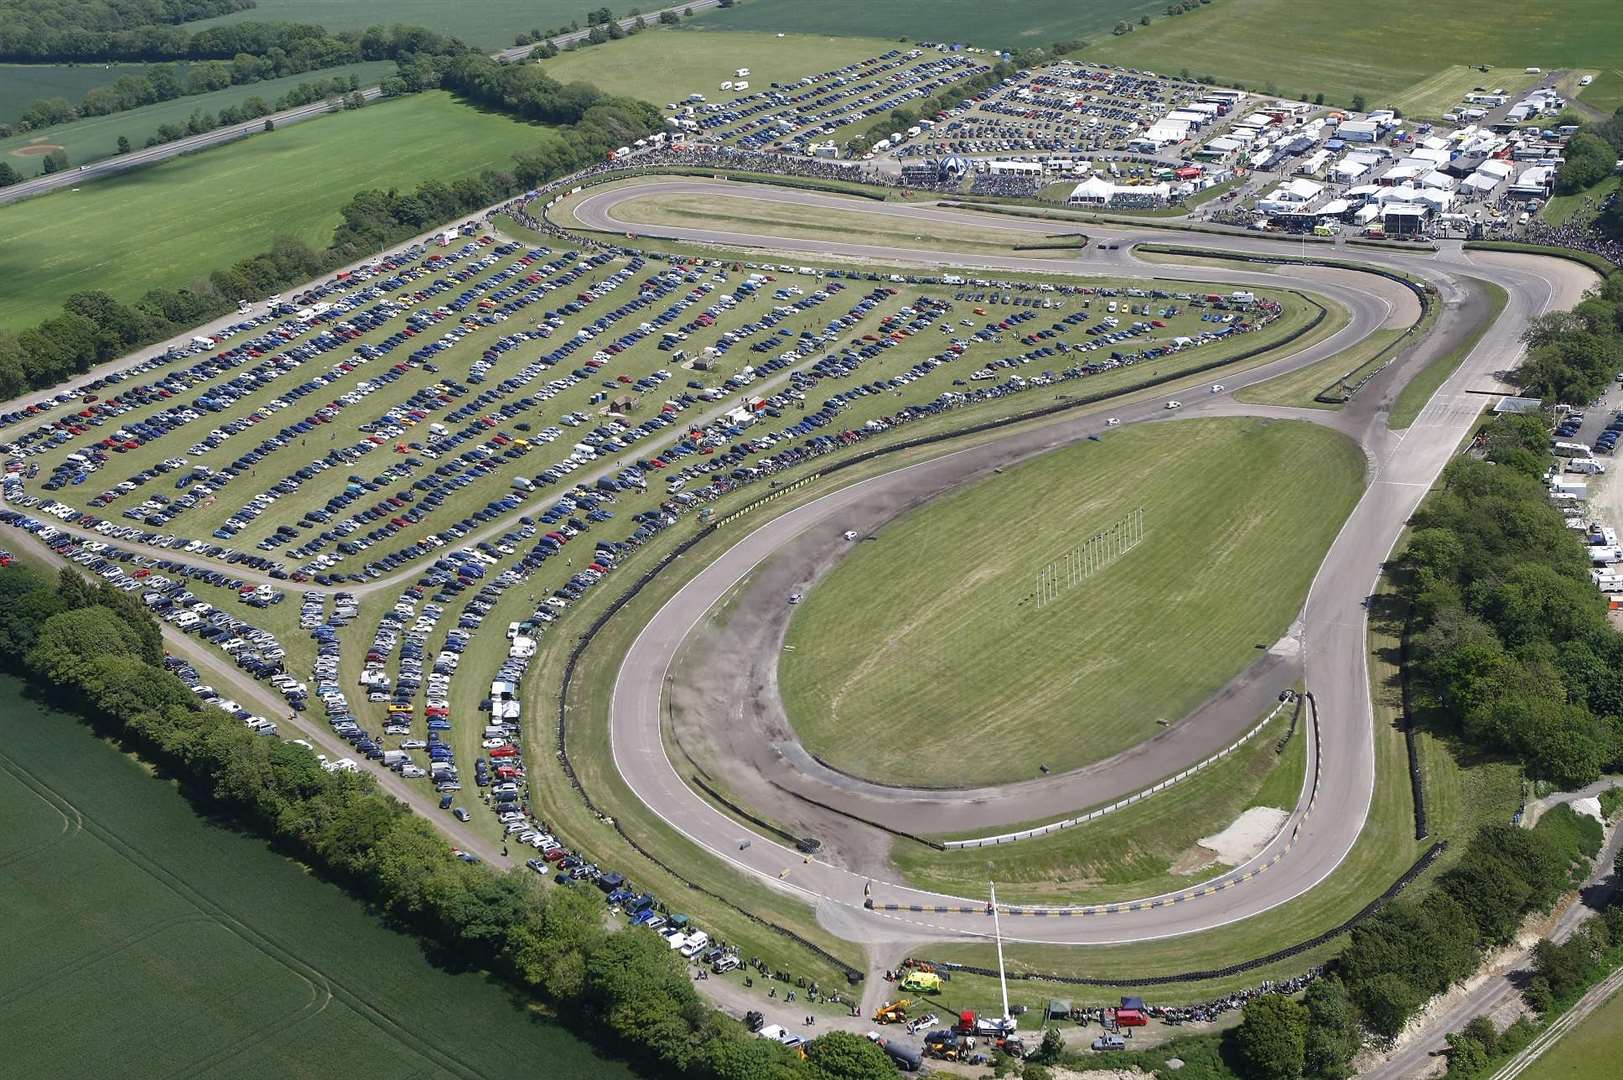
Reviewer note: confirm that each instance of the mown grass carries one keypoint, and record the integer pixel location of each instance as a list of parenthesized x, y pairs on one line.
[(97, 137), (1132, 853), (1391, 50), (174, 223), (739, 213), (1582, 205), (1302, 387), (1460, 797), (150, 940), (932, 639), (1007, 26), (668, 65)]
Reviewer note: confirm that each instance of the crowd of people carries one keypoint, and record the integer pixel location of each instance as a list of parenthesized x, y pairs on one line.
[(1009, 185)]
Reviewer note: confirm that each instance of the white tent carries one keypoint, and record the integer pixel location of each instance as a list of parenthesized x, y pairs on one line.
[(1095, 190), (1479, 183), (1496, 167)]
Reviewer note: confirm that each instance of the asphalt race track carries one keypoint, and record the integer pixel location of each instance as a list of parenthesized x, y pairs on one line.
[(1328, 640)]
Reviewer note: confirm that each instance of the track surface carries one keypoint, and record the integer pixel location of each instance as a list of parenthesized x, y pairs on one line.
[(1329, 637)]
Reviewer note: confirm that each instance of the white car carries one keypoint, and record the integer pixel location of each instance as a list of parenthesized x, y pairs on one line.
[(1174, 404), (850, 534), (1112, 422), (795, 598), (1217, 388)]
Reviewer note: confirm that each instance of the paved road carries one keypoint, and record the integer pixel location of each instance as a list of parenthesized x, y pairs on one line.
[(97, 170), (1332, 629)]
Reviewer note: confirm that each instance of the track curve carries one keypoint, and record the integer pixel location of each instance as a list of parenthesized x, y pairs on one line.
[(1330, 633)]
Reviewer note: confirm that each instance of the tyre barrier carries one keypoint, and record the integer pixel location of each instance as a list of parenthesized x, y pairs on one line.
[(1403, 882), (1137, 796), (1411, 741)]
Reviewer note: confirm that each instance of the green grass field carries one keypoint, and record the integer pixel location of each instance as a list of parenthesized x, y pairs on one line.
[(1584, 1052), (23, 83), (175, 222), (1005, 26), (667, 65), (1393, 50), (148, 941), (1443, 91), (740, 214), (1143, 850), (1582, 205), (891, 672), (97, 137), (489, 24), (1606, 92)]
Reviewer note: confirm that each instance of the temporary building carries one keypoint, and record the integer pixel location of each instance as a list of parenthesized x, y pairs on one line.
[(1479, 183), (1437, 181), (1095, 190), (1357, 130), (1334, 208)]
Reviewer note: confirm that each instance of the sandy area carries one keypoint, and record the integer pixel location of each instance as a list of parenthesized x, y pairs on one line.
[(1245, 839), (1590, 806)]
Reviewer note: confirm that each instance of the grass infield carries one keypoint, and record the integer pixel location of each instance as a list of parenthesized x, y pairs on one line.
[(931, 640)]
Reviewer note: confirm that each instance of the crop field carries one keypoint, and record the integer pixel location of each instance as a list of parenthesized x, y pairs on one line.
[(891, 672), (23, 83), (173, 223), (667, 65), (1143, 850), (1392, 51), (488, 24), (148, 941), (97, 137), (1588, 1051), (1002, 26)]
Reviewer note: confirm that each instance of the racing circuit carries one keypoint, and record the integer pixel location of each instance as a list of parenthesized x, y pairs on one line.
[(1326, 647)]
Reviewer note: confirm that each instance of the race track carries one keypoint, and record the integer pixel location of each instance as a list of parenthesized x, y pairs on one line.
[(1328, 640)]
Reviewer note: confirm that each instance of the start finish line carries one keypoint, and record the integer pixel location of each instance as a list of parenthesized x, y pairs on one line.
[(1089, 557)]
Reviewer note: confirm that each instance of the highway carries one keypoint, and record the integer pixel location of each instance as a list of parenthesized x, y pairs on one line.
[(1330, 634), (98, 170)]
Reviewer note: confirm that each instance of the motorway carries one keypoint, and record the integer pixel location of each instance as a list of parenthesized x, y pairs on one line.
[(1330, 634), (98, 170)]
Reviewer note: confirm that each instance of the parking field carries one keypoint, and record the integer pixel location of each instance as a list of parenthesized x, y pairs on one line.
[(891, 679), (404, 421)]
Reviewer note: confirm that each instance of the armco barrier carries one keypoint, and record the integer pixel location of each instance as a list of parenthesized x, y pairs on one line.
[(1137, 796), (1233, 969)]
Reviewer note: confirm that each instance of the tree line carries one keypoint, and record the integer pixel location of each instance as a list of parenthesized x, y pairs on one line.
[(1415, 949), (1589, 157), (98, 650), (42, 31), (168, 81), (1573, 356)]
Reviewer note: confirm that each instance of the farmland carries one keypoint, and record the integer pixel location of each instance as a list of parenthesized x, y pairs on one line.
[(148, 940), (97, 137), (642, 65), (1009, 26), (982, 663), (23, 83), (175, 222), (489, 24), (1314, 48), (1588, 1051)]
